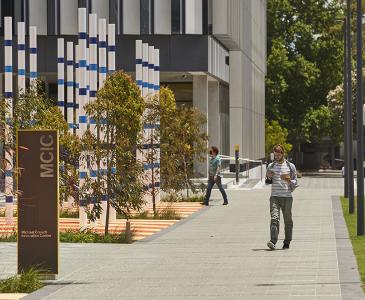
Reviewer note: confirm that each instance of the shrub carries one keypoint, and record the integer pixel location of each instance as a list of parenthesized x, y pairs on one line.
[(89, 236), (27, 282), (69, 214), (167, 213)]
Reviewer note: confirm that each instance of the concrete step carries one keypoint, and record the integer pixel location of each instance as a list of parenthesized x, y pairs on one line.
[(250, 183)]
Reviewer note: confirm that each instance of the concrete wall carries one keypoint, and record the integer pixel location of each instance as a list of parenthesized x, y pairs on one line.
[(240, 25)]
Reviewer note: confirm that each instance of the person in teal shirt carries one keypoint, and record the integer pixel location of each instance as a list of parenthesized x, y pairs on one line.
[(214, 176)]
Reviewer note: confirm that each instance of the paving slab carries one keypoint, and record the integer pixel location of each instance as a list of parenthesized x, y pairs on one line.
[(218, 253)]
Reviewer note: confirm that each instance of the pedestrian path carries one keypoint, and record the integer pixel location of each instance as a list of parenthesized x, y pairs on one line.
[(217, 253)]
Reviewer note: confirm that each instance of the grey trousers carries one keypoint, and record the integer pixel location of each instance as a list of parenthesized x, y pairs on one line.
[(285, 204)]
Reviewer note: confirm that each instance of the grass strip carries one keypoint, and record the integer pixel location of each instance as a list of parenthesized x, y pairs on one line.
[(358, 242)]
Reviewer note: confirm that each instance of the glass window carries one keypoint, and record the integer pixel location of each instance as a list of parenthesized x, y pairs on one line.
[(176, 16), (145, 19)]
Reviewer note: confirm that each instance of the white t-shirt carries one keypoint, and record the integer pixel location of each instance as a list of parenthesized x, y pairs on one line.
[(279, 187)]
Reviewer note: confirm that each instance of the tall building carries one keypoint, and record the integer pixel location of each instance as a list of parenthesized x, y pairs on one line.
[(212, 55)]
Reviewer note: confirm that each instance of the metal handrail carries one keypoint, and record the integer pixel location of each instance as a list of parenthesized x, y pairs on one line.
[(226, 157)]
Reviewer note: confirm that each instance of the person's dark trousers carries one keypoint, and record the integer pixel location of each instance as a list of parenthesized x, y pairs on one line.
[(284, 203), (211, 183)]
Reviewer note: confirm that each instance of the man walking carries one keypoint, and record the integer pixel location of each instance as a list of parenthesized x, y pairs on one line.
[(284, 180), (214, 176)]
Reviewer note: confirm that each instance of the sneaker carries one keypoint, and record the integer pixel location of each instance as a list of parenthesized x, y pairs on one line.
[(271, 245), (285, 246), (225, 203)]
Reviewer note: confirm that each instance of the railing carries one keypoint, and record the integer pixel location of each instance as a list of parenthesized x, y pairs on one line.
[(237, 169)]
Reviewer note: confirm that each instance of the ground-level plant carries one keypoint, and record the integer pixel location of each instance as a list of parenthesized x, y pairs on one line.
[(26, 282)]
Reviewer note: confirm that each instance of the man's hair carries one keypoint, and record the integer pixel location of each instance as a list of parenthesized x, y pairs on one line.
[(279, 146), (215, 150)]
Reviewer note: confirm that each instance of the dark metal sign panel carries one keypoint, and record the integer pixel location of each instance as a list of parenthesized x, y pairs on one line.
[(37, 165)]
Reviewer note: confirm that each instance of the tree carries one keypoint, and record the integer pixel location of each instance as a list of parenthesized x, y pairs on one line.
[(33, 110), (117, 112), (321, 123), (304, 63), (182, 143), (151, 141), (275, 134)]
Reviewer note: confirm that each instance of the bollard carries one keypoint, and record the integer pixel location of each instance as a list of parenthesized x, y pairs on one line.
[(236, 155), (128, 232)]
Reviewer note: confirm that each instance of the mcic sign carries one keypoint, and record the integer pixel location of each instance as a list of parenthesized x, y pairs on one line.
[(37, 165)]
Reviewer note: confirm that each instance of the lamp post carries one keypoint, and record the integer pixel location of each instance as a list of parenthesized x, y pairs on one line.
[(359, 123), (348, 114), (345, 122)]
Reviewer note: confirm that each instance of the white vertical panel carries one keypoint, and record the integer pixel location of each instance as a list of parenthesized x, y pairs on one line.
[(145, 69), (131, 17), (111, 48), (38, 15), (21, 57), (70, 85), (157, 71), (102, 52), (151, 70), (162, 16), (82, 102), (9, 155), (68, 16), (61, 74), (33, 73), (194, 17), (139, 64), (77, 84), (220, 17), (101, 8)]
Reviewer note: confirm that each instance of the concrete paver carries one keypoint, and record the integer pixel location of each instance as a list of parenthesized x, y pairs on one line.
[(219, 253)]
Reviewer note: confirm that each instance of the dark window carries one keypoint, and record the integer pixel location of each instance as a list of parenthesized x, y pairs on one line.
[(53, 17), (145, 16), (205, 11), (6, 10), (176, 16), (116, 15)]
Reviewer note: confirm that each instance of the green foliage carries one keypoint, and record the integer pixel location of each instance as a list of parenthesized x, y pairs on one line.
[(304, 59), (182, 142), (275, 134), (321, 123), (9, 238), (120, 103), (69, 214), (27, 282), (151, 155), (175, 198), (32, 110), (88, 236), (167, 213)]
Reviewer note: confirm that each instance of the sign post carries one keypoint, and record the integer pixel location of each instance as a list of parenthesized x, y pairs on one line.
[(37, 181)]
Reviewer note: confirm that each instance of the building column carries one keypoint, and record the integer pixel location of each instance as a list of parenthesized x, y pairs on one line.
[(214, 122), (236, 96), (200, 101)]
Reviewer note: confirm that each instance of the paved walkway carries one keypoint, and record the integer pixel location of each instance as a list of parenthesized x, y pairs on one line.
[(219, 253)]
